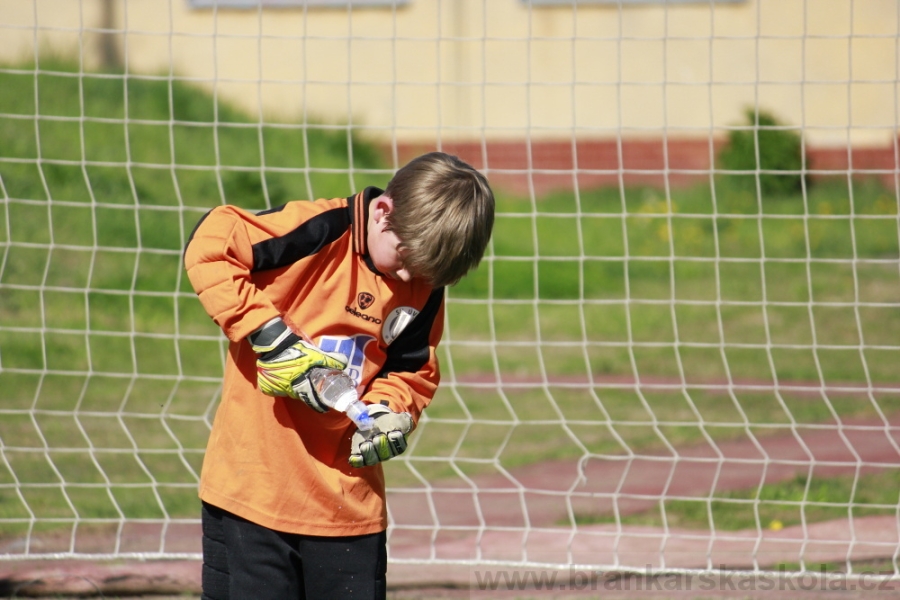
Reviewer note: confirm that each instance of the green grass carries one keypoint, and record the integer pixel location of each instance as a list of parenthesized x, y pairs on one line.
[(185, 150), (104, 346)]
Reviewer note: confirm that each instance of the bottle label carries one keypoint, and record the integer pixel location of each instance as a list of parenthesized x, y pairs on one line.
[(345, 400)]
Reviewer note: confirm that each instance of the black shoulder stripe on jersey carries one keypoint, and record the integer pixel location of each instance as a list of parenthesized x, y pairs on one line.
[(410, 351), (305, 240), (269, 211)]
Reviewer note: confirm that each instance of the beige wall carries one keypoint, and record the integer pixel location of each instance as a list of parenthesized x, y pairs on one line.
[(465, 69)]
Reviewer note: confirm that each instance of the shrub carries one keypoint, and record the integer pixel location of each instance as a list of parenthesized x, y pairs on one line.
[(779, 150)]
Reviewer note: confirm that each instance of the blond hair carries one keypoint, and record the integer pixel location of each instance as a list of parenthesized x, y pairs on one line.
[(443, 214)]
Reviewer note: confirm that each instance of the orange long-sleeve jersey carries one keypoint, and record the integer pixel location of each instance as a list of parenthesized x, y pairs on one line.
[(275, 461)]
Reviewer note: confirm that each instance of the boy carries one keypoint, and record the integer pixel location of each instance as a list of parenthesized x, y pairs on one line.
[(293, 496)]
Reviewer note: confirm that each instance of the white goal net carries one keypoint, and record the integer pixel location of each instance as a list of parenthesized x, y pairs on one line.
[(680, 352)]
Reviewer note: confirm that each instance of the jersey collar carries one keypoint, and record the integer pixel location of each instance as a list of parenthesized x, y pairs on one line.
[(359, 220)]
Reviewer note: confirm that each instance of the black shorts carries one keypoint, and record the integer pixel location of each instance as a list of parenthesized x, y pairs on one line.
[(242, 560)]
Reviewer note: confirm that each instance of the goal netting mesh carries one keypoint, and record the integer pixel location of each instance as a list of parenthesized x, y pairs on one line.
[(679, 353)]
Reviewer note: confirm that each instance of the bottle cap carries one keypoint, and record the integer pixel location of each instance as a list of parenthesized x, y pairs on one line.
[(359, 414)]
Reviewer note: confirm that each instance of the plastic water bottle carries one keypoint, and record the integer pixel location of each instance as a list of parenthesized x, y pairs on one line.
[(336, 390)]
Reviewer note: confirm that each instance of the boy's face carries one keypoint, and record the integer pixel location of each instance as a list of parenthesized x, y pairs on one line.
[(383, 243)]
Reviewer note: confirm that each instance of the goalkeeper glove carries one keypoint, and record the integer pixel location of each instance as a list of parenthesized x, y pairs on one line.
[(284, 360), (384, 441)]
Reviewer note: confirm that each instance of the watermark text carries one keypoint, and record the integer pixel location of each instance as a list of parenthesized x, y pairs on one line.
[(720, 580)]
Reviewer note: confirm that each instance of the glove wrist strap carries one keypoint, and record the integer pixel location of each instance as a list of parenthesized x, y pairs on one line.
[(272, 339)]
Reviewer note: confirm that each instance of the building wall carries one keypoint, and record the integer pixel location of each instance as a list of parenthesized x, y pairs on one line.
[(466, 70)]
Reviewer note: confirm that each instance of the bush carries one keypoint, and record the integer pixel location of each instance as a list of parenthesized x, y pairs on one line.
[(779, 150)]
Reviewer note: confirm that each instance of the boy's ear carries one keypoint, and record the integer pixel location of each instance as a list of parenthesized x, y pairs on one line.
[(381, 206)]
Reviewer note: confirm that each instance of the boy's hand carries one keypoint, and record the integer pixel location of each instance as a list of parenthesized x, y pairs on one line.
[(384, 441), (284, 359)]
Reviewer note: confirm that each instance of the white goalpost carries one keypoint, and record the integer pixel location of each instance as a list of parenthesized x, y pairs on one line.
[(678, 356)]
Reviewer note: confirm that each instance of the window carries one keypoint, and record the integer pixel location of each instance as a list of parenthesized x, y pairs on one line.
[(292, 3), (626, 2)]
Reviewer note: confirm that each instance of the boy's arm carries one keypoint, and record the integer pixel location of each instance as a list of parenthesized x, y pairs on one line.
[(403, 389), (410, 375), (219, 262), (220, 258)]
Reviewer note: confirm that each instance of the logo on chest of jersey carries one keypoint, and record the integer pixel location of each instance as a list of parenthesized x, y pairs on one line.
[(362, 316), (365, 300)]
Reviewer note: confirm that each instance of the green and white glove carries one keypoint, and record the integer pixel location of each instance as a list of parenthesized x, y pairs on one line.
[(284, 360), (384, 441)]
